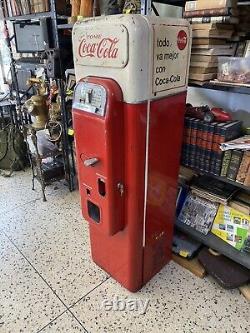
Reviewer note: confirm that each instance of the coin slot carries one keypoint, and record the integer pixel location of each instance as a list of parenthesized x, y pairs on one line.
[(101, 187)]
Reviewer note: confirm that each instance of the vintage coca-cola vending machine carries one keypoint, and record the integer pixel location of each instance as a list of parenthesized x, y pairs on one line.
[(128, 113)]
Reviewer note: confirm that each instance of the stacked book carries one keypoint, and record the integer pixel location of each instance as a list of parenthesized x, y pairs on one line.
[(213, 189), (241, 202), (213, 29), (232, 226), (25, 7), (198, 213), (201, 143), (201, 205), (236, 161), (243, 32)]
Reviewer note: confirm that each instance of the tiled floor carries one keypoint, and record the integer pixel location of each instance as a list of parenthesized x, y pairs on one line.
[(48, 282)]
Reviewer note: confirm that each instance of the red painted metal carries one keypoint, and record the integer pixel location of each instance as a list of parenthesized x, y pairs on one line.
[(122, 254), (165, 137), (102, 138), (130, 246)]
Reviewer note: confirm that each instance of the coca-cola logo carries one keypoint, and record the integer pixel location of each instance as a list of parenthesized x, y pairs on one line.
[(182, 40), (104, 48)]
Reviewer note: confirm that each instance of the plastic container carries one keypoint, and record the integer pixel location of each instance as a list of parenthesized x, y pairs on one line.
[(232, 69)]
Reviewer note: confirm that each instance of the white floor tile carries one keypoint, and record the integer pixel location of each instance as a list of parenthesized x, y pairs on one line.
[(17, 190), (26, 302), (178, 302), (55, 238), (66, 323)]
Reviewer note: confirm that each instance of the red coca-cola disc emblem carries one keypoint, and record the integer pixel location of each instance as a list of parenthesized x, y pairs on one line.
[(182, 40)]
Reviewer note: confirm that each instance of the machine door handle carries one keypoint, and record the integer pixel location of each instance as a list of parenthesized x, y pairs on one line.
[(91, 161)]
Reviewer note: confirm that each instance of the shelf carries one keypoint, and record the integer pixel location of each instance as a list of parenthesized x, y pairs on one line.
[(178, 3), (181, 3), (223, 179), (7, 102), (217, 244), (243, 3), (28, 16), (224, 87), (34, 16), (226, 180), (65, 26)]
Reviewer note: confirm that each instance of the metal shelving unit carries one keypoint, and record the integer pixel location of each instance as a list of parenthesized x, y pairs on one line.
[(28, 16), (181, 3), (217, 244), (34, 16), (67, 144), (224, 179), (223, 87), (148, 5), (65, 26), (66, 141), (178, 3)]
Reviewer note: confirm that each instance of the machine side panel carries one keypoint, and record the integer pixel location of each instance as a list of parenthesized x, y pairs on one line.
[(121, 255), (165, 137)]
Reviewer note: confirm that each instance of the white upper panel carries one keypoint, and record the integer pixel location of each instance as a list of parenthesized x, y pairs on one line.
[(148, 56)]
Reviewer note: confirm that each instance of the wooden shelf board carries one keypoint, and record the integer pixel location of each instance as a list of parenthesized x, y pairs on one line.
[(245, 290), (192, 265)]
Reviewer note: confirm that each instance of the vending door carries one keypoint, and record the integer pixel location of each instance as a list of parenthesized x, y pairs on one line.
[(98, 125)]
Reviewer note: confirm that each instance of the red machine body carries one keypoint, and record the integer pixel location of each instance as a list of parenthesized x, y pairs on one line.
[(118, 235), (128, 151)]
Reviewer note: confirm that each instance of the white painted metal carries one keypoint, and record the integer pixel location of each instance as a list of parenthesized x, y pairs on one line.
[(146, 175), (132, 49)]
